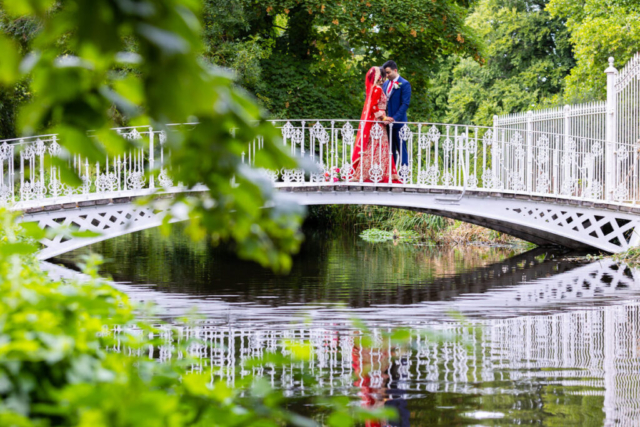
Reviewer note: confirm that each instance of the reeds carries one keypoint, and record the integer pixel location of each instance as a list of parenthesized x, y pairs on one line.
[(431, 228)]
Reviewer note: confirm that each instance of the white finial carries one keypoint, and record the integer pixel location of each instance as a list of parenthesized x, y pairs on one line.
[(611, 69)]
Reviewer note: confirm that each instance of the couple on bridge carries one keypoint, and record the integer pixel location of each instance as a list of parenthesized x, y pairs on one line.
[(387, 101)]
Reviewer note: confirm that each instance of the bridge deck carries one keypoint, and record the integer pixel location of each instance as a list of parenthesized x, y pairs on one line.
[(543, 220)]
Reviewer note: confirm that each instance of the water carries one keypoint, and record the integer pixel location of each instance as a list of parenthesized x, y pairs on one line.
[(547, 340)]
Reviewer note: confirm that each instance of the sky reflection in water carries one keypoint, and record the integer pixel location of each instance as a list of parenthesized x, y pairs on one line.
[(553, 342)]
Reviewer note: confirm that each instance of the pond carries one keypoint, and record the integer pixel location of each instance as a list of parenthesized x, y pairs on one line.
[(545, 338)]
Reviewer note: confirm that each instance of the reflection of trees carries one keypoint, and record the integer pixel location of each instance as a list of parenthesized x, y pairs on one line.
[(328, 269), (578, 367)]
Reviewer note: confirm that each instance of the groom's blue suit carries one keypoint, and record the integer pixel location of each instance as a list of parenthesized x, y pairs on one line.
[(397, 106)]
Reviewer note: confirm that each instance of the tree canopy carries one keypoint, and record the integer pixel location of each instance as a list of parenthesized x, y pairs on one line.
[(528, 55), (599, 29), (307, 58)]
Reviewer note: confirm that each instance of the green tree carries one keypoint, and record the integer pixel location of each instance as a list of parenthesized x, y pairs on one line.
[(311, 55), (21, 30), (599, 29), (527, 56)]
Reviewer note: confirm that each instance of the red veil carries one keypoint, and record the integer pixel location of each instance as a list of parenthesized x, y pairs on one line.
[(366, 119)]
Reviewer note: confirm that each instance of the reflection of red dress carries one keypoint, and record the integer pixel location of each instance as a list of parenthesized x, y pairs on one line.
[(366, 393), (371, 155)]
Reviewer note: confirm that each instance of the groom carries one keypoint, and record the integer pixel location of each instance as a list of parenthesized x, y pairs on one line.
[(398, 91)]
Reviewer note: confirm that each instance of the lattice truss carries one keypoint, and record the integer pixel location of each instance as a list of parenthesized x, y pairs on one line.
[(614, 228), (593, 280), (109, 220)]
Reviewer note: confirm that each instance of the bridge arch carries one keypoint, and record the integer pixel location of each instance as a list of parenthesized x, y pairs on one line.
[(541, 220)]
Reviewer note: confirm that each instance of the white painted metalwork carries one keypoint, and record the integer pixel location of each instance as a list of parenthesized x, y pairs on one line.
[(573, 153), (540, 222), (616, 121), (440, 155)]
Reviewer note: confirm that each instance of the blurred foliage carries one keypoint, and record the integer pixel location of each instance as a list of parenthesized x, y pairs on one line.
[(89, 58), (599, 29), (58, 365)]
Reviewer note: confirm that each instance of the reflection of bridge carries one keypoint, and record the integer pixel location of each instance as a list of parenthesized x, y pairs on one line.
[(549, 352), (568, 222), (532, 281), (569, 177)]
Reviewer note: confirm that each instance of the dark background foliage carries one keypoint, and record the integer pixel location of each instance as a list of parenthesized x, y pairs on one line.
[(466, 60)]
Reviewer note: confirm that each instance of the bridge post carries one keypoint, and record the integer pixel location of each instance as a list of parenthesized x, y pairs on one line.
[(611, 130), (567, 139), (495, 161), (152, 184), (529, 173)]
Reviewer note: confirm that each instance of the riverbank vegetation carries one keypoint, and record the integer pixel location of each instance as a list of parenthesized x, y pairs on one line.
[(425, 228), (630, 256)]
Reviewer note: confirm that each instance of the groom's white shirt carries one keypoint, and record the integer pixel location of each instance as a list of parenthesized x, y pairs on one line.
[(390, 86)]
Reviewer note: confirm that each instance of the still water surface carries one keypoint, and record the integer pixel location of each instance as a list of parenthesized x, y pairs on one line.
[(551, 341)]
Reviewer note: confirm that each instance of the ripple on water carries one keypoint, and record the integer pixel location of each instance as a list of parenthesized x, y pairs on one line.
[(548, 341)]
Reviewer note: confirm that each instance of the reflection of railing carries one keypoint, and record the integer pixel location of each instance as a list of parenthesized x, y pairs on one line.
[(591, 352)]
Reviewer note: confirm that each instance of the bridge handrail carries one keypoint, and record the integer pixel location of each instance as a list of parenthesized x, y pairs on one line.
[(439, 155)]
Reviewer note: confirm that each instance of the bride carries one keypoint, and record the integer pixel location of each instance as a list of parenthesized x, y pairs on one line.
[(371, 158)]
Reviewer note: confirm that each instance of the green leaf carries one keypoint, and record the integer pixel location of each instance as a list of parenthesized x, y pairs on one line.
[(19, 248), (32, 230), (9, 62), (27, 7), (68, 176)]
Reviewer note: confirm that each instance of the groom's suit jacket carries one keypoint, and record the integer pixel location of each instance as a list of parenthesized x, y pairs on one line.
[(399, 100)]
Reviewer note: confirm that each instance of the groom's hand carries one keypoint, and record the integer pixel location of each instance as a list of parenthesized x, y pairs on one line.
[(389, 120)]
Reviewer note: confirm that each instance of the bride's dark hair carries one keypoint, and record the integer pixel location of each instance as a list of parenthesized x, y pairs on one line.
[(383, 74)]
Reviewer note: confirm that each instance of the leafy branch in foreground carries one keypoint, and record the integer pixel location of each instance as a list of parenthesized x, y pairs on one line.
[(58, 365), (142, 59)]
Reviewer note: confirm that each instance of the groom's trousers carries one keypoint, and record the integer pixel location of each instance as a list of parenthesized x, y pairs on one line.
[(398, 147)]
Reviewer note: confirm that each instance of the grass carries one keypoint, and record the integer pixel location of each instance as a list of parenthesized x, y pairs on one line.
[(630, 256), (430, 228)]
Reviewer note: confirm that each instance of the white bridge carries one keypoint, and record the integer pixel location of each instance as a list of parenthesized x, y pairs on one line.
[(567, 176)]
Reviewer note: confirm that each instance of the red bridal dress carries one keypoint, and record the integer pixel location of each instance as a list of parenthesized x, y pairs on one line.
[(371, 159)]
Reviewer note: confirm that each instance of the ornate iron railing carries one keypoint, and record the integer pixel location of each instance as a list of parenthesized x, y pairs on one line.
[(616, 120), (445, 156)]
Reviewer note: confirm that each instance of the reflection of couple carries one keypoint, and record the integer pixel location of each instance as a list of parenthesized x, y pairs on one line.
[(386, 102), (378, 387)]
